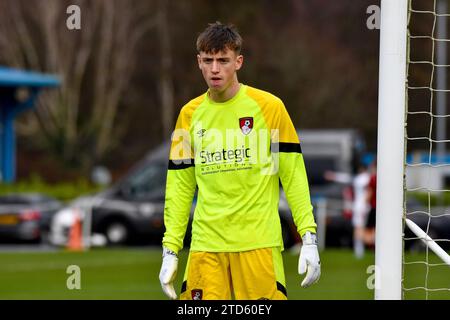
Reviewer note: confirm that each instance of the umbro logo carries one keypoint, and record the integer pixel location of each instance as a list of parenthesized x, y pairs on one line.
[(201, 133)]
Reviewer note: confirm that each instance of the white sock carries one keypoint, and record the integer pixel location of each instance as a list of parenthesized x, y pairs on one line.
[(358, 248)]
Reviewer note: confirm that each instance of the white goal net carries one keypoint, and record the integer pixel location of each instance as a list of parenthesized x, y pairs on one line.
[(426, 272)]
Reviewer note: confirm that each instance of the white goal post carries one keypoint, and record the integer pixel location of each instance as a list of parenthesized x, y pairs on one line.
[(391, 149), (395, 82)]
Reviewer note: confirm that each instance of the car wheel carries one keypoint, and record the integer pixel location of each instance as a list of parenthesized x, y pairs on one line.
[(117, 232)]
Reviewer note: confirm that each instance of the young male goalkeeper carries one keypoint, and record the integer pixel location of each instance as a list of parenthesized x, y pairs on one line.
[(234, 143)]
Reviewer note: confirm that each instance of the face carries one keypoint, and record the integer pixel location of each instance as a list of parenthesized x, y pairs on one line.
[(219, 69)]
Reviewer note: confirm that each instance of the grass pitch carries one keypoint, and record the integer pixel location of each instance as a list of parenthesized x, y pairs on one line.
[(130, 273)]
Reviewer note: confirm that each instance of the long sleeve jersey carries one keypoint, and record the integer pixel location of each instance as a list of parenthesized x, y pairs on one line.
[(235, 152)]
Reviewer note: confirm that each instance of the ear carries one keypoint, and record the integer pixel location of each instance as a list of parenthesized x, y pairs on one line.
[(199, 60), (239, 62)]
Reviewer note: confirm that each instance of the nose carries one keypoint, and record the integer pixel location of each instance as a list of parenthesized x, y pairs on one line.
[(215, 67)]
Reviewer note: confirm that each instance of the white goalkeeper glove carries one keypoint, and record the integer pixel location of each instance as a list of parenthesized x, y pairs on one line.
[(168, 272), (309, 260)]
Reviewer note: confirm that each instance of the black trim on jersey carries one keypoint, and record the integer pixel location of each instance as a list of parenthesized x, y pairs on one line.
[(181, 164), (183, 286), (281, 288), (288, 147)]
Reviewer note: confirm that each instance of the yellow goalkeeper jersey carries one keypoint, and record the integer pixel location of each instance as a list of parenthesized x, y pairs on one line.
[(235, 152)]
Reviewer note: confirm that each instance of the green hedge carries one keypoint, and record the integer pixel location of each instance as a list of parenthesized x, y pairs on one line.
[(435, 199), (64, 191)]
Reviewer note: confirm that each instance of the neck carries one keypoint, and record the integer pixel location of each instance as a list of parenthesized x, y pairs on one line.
[(225, 95)]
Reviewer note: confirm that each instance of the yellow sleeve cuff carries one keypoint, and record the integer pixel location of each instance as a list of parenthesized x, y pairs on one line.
[(303, 231), (171, 247)]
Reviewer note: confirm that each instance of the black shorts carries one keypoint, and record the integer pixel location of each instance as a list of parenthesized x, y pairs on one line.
[(371, 218)]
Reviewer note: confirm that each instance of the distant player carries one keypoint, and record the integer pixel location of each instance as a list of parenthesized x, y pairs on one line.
[(360, 209), (372, 199), (234, 143), (360, 206)]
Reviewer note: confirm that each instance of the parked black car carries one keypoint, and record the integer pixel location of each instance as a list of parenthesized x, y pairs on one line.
[(26, 216)]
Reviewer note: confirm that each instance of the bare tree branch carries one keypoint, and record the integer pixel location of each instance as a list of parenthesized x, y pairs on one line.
[(80, 119)]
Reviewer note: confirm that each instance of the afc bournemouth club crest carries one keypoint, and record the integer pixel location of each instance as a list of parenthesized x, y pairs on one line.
[(197, 294), (246, 124)]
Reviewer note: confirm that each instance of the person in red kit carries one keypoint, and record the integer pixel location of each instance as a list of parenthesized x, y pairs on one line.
[(372, 200)]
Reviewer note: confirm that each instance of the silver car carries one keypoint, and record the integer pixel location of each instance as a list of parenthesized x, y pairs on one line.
[(26, 216)]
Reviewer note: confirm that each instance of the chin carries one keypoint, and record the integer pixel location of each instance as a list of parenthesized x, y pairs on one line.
[(216, 88)]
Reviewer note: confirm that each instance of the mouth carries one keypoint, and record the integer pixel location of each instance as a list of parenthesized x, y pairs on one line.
[(215, 81)]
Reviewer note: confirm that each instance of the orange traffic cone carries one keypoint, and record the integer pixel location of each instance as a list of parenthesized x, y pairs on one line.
[(75, 242)]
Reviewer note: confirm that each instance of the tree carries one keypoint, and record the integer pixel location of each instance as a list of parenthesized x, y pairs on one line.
[(80, 120)]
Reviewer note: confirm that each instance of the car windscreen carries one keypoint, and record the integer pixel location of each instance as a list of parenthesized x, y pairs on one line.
[(146, 180)]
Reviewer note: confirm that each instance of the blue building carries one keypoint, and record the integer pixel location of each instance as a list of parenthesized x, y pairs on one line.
[(18, 92)]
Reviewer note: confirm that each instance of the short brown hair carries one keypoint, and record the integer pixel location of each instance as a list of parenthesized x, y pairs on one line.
[(219, 37)]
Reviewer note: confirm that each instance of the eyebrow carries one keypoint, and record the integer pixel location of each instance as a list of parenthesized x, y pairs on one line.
[(219, 59)]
